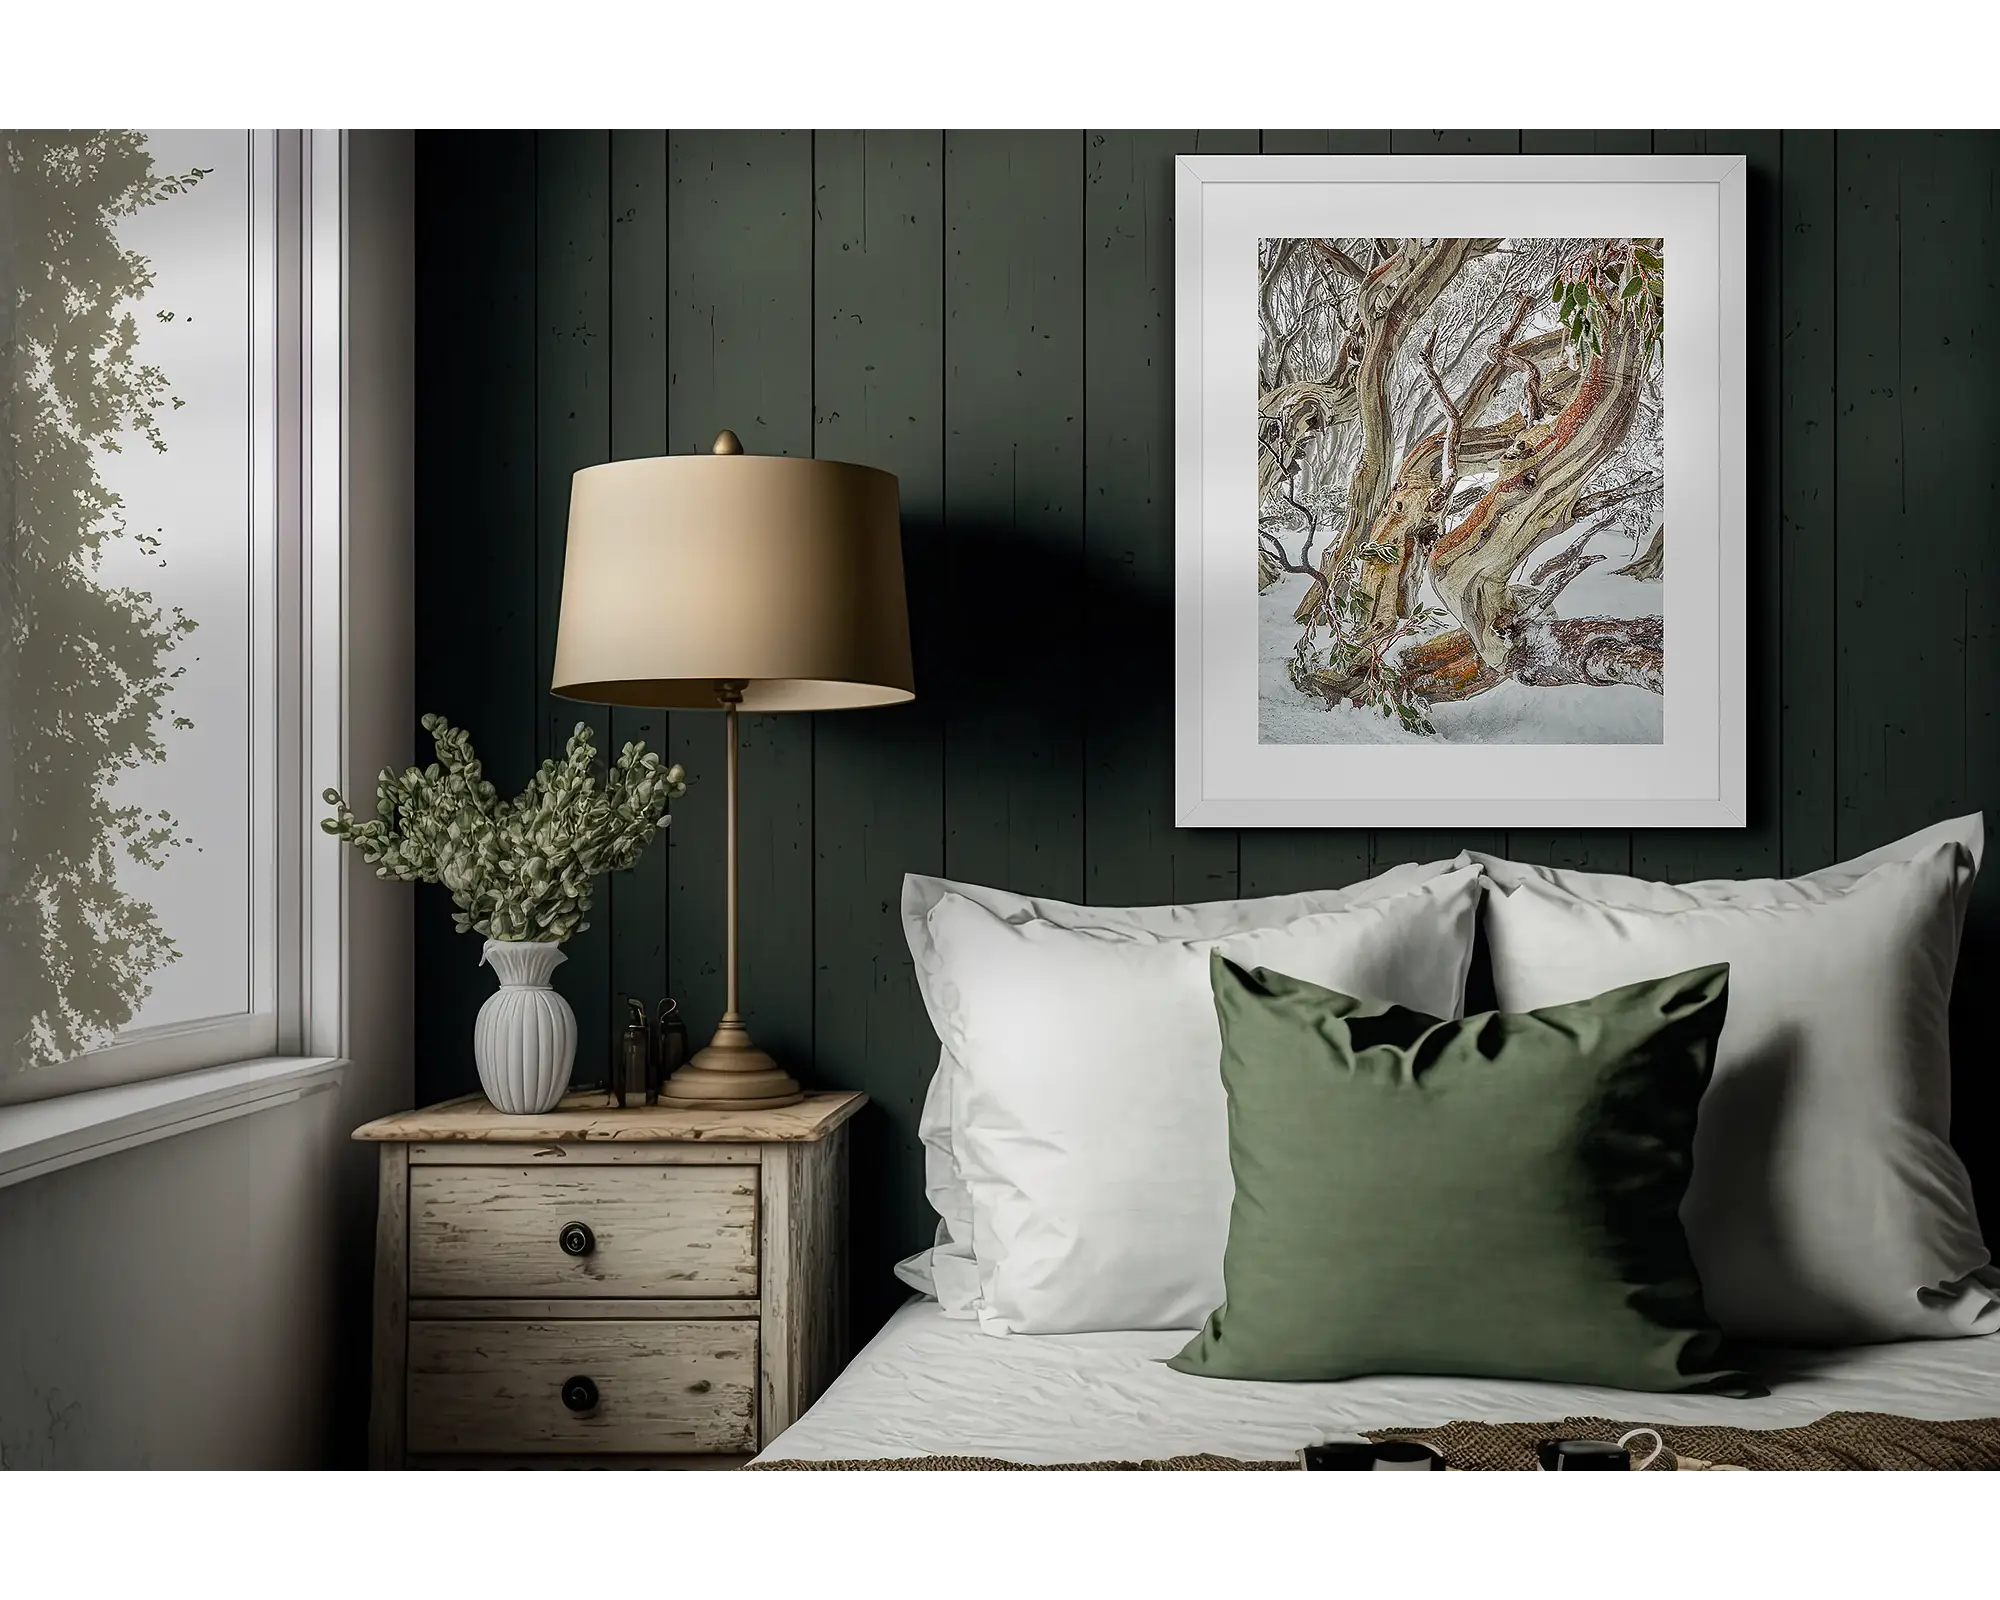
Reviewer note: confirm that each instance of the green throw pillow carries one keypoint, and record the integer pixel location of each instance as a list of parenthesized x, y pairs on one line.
[(1497, 1195)]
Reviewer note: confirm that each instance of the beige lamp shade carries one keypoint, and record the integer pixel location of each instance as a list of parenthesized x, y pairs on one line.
[(779, 574)]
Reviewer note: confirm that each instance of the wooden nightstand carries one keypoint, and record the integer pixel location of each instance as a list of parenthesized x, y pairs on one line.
[(664, 1287)]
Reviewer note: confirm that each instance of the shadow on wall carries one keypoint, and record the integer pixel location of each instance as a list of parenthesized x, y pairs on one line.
[(981, 778)]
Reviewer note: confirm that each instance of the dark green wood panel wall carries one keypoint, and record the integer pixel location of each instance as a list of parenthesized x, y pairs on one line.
[(989, 316)]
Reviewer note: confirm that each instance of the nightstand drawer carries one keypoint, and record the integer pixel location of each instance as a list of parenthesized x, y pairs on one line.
[(643, 1231), (553, 1387)]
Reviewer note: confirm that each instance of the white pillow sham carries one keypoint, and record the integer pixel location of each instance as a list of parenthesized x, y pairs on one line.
[(946, 1271), (1614, 889), (1090, 1121), (1826, 1205)]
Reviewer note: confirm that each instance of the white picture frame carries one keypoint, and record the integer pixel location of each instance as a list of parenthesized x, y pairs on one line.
[(1694, 776)]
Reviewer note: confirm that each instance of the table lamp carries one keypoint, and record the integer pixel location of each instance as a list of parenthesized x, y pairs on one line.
[(733, 582)]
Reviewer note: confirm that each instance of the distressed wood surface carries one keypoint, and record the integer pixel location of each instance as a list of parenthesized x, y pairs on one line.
[(480, 1314), (387, 1388), (584, 1118), (975, 312), (804, 1243), (624, 1310), (664, 1387), (490, 1232), (585, 1153)]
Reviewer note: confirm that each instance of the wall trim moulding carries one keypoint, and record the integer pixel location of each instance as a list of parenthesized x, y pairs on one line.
[(44, 1136)]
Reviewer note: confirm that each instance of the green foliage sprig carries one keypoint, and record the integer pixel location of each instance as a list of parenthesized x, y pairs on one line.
[(520, 869), (1612, 278)]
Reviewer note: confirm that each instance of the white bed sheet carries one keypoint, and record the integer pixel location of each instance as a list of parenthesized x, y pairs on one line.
[(928, 1384)]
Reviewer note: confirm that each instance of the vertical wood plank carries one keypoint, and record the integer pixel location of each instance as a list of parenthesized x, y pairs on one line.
[(802, 1300), (878, 776), (1324, 142), (638, 360), (1948, 378), (775, 1290), (1901, 731), (1808, 607), (1456, 141), (1133, 852), (1948, 313), (1014, 509), (1292, 860), (388, 1405), (475, 553), (572, 430), (1289, 860), (739, 344), (1587, 142)]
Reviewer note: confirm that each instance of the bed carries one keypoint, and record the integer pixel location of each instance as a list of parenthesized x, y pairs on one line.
[(929, 1384)]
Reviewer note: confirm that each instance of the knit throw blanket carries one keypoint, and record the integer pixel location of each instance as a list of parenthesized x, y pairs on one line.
[(1843, 1441)]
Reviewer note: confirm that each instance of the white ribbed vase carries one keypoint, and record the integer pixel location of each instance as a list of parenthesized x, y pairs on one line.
[(525, 1037)]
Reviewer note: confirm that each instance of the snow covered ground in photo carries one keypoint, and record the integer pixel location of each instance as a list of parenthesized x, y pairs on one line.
[(1508, 713)]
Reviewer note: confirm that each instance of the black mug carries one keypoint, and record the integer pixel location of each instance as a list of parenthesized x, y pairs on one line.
[(1595, 1455), (1362, 1455)]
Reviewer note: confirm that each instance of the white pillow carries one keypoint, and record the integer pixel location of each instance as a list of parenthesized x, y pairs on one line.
[(1613, 889), (1091, 1125), (1826, 1204), (946, 1271)]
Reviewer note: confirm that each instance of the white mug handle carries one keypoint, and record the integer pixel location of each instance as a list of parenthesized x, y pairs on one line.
[(1658, 1450)]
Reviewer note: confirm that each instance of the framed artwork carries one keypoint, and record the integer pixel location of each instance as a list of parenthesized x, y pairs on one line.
[(1459, 499)]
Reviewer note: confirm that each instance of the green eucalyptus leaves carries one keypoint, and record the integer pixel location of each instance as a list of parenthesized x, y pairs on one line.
[(517, 869), (1612, 278)]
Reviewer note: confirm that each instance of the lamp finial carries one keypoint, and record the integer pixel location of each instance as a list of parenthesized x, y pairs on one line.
[(726, 444)]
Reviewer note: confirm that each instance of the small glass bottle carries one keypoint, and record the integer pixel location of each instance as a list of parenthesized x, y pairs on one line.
[(672, 1038), (632, 1071)]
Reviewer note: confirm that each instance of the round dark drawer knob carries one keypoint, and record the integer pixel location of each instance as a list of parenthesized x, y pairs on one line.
[(577, 1239), (580, 1394)]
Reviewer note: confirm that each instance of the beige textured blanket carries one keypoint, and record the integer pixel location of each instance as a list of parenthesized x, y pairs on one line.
[(1843, 1441)]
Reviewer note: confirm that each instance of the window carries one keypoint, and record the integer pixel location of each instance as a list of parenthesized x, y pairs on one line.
[(157, 507)]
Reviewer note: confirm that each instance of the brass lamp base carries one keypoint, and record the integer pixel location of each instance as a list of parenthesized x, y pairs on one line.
[(731, 1074)]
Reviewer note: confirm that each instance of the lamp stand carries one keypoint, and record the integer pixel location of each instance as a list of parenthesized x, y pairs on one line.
[(730, 1073)]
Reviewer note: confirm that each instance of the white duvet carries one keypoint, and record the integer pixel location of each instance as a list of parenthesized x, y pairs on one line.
[(932, 1385)]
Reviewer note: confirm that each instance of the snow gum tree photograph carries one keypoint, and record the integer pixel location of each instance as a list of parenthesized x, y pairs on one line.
[(1460, 477)]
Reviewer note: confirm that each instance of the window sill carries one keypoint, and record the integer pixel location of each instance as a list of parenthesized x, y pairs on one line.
[(44, 1136)]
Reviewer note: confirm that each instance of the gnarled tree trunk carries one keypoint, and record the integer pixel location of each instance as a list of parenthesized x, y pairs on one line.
[(1406, 526), (1474, 564), (1394, 560), (1391, 299)]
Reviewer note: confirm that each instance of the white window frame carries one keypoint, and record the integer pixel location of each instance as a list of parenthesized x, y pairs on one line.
[(297, 904)]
